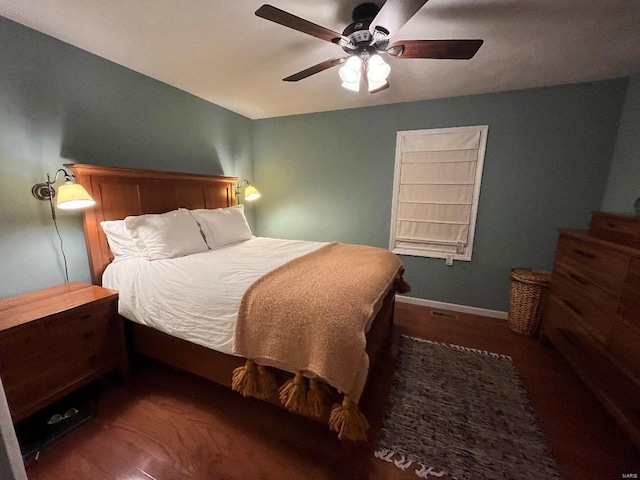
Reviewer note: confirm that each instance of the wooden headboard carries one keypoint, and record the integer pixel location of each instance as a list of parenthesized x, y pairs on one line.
[(120, 192)]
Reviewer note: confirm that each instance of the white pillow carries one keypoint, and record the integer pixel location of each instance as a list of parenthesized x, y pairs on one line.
[(168, 235), (119, 239), (223, 225)]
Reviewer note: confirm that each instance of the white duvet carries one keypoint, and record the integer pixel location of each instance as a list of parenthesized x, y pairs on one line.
[(196, 298)]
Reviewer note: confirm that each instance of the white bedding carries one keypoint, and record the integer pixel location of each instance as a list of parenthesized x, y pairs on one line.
[(196, 298)]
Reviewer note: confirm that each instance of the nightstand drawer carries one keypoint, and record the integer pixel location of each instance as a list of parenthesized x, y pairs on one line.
[(21, 344), (56, 340), (82, 329), (594, 264), (27, 393)]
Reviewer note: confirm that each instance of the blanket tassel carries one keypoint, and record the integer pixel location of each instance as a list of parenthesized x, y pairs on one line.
[(267, 384), (245, 379), (318, 398), (348, 421), (402, 286), (293, 394)]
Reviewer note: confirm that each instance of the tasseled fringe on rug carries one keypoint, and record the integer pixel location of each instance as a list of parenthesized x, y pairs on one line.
[(401, 285), (347, 419), (253, 380), (403, 463)]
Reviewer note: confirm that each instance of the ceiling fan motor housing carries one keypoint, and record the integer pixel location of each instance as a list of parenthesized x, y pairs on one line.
[(358, 32)]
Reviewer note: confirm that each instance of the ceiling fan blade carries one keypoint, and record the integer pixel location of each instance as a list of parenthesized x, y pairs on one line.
[(443, 49), (281, 17), (394, 14), (315, 69)]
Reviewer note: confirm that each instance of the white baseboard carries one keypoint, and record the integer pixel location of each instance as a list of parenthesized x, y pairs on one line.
[(452, 307)]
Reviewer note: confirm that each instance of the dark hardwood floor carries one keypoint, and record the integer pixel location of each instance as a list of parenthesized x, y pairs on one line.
[(165, 424)]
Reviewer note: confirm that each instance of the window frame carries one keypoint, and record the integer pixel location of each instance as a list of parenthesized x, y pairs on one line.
[(425, 252)]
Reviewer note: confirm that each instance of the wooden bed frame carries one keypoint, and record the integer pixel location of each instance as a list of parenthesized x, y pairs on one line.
[(120, 192)]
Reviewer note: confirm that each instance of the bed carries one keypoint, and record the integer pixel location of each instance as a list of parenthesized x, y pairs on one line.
[(124, 192)]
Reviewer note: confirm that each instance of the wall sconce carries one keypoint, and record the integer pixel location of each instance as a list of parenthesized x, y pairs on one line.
[(251, 193), (70, 195)]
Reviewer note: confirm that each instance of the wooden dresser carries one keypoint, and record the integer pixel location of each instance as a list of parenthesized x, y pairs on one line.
[(592, 312), (55, 340)]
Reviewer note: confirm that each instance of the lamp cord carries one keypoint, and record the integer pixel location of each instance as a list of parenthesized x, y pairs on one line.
[(64, 257)]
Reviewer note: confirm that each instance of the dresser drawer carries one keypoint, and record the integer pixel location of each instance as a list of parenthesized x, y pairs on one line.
[(624, 345), (583, 312), (630, 308), (624, 229), (575, 344), (593, 263), (574, 277), (633, 275)]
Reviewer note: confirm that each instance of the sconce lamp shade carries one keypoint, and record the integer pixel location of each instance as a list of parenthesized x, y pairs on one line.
[(72, 196), (251, 193)]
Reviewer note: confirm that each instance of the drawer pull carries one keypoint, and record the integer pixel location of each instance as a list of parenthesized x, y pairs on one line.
[(89, 334), (85, 316), (584, 254), (612, 225), (572, 306), (578, 279)]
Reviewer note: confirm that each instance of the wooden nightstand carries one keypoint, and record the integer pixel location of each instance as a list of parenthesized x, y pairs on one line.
[(55, 340)]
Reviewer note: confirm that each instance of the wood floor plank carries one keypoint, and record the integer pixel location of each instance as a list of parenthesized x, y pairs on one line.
[(166, 424)]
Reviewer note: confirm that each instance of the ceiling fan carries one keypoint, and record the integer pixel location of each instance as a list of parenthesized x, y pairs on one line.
[(367, 39)]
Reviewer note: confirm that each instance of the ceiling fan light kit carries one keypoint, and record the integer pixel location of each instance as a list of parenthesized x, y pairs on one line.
[(350, 73), (367, 39)]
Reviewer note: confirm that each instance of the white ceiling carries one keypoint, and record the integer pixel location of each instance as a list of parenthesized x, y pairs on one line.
[(220, 51)]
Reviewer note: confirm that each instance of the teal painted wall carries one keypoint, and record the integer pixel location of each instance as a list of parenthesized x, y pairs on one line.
[(60, 104), (329, 176), (623, 186), (324, 176)]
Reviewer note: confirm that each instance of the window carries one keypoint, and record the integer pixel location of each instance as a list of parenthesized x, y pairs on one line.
[(436, 190)]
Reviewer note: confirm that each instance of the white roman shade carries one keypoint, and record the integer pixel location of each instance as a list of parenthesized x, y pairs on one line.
[(436, 191)]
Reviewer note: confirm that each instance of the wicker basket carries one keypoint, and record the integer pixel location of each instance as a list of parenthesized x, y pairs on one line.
[(528, 288)]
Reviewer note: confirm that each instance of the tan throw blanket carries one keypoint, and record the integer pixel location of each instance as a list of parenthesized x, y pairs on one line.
[(311, 314)]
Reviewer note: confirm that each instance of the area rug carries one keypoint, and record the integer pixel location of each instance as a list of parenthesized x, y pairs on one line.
[(463, 413)]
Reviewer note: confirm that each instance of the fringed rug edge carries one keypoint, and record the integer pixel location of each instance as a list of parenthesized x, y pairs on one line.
[(401, 462), (460, 347)]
